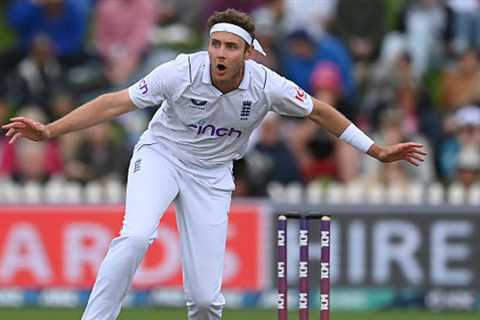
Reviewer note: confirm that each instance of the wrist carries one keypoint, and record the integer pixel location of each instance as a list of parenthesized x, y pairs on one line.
[(48, 131), (376, 152), (356, 138)]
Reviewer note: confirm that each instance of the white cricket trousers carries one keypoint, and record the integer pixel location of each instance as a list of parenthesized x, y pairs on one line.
[(202, 198)]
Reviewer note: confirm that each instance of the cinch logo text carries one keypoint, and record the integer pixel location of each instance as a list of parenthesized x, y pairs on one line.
[(214, 131)]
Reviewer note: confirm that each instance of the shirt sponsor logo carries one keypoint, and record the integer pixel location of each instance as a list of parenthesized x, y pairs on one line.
[(143, 86), (300, 95), (213, 131)]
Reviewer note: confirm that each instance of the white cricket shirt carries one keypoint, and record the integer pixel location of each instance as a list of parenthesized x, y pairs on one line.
[(201, 125)]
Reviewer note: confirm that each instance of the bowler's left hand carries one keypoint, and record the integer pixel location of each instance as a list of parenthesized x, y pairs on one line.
[(408, 151)]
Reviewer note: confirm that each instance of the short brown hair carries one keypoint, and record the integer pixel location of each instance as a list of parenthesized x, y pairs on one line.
[(233, 16)]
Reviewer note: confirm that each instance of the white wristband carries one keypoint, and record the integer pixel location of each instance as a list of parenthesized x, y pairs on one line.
[(355, 137)]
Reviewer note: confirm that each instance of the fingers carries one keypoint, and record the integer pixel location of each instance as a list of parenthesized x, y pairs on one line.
[(13, 130), (417, 151), (10, 132), (412, 153), (21, 122), (412, 146), (22, 119), (15, 138), (415, 156), (15, 125), (27, 122), (416, 164), (413, 160), (25, 128)]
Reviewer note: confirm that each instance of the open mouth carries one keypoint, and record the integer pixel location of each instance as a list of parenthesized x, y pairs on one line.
[(221, 67)]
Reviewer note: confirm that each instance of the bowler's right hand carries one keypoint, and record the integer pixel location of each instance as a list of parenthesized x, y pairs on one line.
[(22, 127)]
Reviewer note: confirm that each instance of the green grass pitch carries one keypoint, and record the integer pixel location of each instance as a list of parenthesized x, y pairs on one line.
[(229, 314)]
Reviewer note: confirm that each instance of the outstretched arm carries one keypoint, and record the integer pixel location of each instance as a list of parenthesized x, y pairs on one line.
[(100, 109), (334, 122)]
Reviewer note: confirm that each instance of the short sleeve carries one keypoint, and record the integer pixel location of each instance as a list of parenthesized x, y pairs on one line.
[(286, 97), (154, 88)]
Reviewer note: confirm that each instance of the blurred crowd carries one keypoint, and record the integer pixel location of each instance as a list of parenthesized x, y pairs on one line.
[(400, 69)]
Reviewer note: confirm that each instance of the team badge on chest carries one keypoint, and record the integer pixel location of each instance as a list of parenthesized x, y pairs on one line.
[(246, 108)]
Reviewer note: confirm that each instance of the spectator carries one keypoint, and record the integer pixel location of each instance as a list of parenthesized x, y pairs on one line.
[(120, 40), (271, 160), (466, 24), (354, 24), (62, 21), (317, 151), (86, 6), (268, 19), (310, 57), (6, 34), (362, 34), (5, 109), (314, 150), (468, 167), (5, 160), (299, 57), (326, 83), (464, 129), (184, 12), (98, 156), (304, 52), (392, 129), (461, 83), (424, 24), (394, 85), (29, 161), (210, 6), (406, 93), (39, 75), (62, 103), (327, 86), (313, 16), (333, 49)]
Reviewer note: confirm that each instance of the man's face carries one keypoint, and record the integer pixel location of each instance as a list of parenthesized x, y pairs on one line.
[(469, 134), (227, 55)]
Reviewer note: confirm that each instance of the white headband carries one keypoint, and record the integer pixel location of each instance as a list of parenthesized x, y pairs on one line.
[(239, 31)]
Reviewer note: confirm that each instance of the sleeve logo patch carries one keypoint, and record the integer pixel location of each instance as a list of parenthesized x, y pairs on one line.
[(143, 86), (301, 96)]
